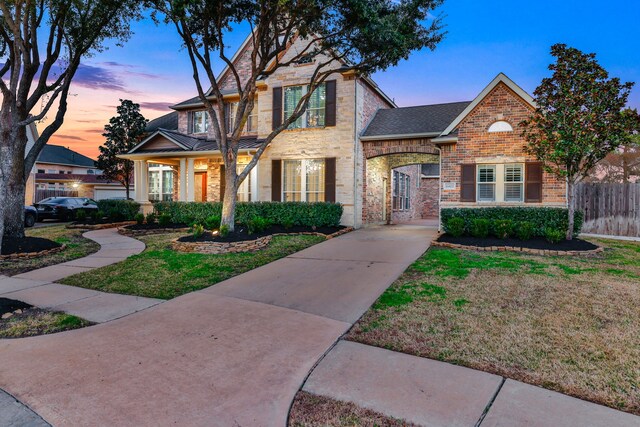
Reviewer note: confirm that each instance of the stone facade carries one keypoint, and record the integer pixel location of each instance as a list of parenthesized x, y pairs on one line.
[(476, 144), (429, 197), (415, 207)]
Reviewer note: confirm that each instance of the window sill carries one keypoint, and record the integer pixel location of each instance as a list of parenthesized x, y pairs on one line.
[(305, 129)]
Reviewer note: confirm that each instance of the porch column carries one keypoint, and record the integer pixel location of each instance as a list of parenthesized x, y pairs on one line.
[(191, 181), (183, 180), (137, 167), (143, 194)]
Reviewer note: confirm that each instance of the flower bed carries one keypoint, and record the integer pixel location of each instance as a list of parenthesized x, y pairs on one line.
[(29, 247)]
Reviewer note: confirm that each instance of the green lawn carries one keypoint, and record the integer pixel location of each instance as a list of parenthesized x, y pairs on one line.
[(570, 324), (77, 247), (160, 272)]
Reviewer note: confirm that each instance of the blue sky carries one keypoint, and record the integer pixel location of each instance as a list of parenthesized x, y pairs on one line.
[(483, 39)]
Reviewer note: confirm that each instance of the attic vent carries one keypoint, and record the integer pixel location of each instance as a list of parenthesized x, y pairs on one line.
[(500, 126)]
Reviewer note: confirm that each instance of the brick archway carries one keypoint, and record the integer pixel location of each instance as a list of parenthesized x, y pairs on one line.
[(381, 158)]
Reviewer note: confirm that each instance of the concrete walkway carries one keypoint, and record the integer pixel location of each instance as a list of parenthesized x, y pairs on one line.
[(232, 354), (36, 287)]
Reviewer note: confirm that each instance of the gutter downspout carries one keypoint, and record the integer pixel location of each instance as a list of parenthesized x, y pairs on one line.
[(356, 147), (439, 188)]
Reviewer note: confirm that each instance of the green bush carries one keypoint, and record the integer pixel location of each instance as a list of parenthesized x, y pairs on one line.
[(151, 218), (97, 215), (224, 230), (212, 222), (258, 224), (524, 230), (455, 227), (319, 214), (81, 215), (197, 230), (502, 228), (164, 219), (121, 209), (480, 227), (139, 218), (554, 236), (288, 223), (540, 218)]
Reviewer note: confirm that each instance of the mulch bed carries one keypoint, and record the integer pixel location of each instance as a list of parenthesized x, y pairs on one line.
[(156, 226), (241, 234), (535, 243), (10, 305), (27, 245)]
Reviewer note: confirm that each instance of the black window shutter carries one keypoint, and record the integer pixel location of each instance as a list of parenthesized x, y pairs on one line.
[(189, 121), (223, 182), (330, 103), (330, 179), (533, 182), (276, 180), (468, 183), (276, 113)]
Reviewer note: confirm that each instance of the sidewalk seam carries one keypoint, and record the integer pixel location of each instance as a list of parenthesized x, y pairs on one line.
[(490, 403)]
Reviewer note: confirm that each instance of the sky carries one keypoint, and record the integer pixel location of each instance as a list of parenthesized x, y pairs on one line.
[(483, 39)]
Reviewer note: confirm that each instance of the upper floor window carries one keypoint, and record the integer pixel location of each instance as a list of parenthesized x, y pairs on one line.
[(199, 122), (41, 171), (315, 114), (252, 120), (500, 126)]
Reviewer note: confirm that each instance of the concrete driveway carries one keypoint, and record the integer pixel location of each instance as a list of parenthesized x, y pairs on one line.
[(232, 354)]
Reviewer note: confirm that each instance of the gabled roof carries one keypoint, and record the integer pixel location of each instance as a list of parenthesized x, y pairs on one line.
[(423, 120), (168, 121), (188, 143), (59, 155), (500, 78)]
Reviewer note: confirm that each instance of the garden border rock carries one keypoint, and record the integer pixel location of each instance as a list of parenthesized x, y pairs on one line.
[(215, 248), (133, 233), (529, 251), (100, 226), (28, 255)]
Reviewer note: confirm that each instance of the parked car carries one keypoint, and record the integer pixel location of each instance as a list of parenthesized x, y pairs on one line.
[(30, 216), (64, 208)]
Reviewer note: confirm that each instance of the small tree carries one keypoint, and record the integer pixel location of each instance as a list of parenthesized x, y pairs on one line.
[(361, 36), (579, 119), (122, 133), (42, 43)]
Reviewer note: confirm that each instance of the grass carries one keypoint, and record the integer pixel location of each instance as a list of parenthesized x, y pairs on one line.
[(159, 272), (569, 324), (35, 321), (77, 247), (309, 410)]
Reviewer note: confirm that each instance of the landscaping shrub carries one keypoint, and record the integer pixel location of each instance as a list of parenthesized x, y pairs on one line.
[(97, 215), (480, 227), (81, 215), (288, 223), (197, 230), (212, 222), (258, 224), (164, 219), (502, 228), (139, 218), (540, 218), (524, 230), (121, 209), (224, 230), (455, 227), (553, 235), (151, 218), (320, 214)]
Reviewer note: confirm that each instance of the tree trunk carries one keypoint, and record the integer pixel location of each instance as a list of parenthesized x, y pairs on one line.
[(15, 182), (230, 196), (126, 189), (2, 193), (571, 190)]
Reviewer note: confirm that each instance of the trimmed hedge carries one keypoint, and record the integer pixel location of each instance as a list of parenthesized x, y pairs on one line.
[(540, 218), (320, 214), (125, 210)]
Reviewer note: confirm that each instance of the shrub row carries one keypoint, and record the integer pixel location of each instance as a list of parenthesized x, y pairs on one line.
[(321, 214), (541, 220), (119, 210)]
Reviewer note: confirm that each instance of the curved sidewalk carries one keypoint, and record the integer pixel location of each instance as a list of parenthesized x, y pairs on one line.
[(37, 287)]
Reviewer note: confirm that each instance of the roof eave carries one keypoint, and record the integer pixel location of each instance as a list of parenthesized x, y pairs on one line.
[(400, 136)]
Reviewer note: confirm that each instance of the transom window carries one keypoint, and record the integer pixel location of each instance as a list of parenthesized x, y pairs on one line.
[(314, 116), (500, 126), (199, 122), (252, 120), (500, 183), (401, 193), (303, 180)]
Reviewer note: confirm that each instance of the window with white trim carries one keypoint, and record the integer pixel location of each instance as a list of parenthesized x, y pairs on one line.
[(514, 183), (199, 121), (252, 121), (314, 116), (486, 183), (500, 126), (401, 191), (247, 190), (160, 183), (303, 180)]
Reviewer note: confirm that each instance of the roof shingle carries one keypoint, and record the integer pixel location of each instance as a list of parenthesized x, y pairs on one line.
[(59, 155)]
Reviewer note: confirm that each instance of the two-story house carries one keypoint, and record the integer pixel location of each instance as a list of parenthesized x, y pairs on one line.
[(352, 146)]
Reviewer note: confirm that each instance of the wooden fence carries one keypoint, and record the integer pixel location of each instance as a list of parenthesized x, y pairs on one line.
[(610, 208), (42, 194)]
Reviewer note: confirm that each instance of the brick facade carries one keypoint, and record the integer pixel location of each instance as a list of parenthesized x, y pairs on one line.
[(429, 197)]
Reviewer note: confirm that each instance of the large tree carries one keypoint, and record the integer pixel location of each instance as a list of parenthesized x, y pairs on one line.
[(581, 116), (42, 43), (362, 36), (123, 132)]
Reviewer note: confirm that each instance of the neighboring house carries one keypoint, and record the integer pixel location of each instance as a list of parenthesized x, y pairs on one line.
[(59, 171), (355, 147)]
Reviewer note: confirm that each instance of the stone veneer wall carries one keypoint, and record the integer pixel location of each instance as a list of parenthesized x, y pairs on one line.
[(428, 197), (415, 207)]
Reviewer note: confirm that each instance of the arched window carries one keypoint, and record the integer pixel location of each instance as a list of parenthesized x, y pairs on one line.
[(500, 126)]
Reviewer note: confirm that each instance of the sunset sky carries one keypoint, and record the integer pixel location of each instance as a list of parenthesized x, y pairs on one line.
[(484, 38)]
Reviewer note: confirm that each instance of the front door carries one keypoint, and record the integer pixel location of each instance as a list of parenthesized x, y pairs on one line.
[(200, 188)]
